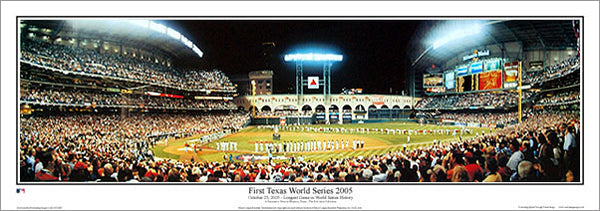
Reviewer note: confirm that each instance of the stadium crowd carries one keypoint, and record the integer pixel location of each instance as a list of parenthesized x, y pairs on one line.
[(541, 149), (74, 147), (484, 118), (558, 70), (561, 98), (107, 64), (497, 100), (86, 98)]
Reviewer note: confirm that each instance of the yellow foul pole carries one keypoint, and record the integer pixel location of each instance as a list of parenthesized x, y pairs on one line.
[(520, 94)]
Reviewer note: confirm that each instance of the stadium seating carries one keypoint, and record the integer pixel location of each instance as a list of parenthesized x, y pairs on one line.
[(561, 69), (87, 98), (566, 97), (461, 101), (80, 60)]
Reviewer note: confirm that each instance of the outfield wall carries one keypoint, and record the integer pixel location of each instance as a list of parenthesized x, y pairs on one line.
[(312, 120), (361, 106)]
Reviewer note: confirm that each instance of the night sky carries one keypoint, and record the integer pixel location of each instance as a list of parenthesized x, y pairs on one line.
[(374, 51)]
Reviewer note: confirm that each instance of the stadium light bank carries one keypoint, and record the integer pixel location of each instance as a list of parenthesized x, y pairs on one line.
[(462, 31), (458, 34), (313, 57), (160, 28), (326, 58)]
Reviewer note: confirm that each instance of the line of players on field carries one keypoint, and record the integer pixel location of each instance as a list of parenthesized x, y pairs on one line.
[(307, 146)]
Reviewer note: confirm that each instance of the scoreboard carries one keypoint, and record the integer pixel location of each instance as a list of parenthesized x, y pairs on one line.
[(475, 74), (467, 83)]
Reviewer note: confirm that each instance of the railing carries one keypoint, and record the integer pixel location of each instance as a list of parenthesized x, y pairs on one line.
[(121, 106)]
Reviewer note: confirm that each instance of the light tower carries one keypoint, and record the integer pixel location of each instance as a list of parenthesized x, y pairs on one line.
[(327, 61)]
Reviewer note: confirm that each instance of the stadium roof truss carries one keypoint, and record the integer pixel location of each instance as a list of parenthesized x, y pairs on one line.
[(529, 34), (119, 33)]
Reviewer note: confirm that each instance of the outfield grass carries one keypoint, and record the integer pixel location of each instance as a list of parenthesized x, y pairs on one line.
[(374, 143)]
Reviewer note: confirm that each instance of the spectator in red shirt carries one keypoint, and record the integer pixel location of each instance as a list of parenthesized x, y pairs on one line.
[(456, 159), (475, 172)]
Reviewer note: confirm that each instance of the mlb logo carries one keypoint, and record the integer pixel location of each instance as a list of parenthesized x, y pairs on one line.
[(20, 190)]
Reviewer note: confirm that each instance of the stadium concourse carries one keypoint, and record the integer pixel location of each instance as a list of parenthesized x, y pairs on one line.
[(89, 115)]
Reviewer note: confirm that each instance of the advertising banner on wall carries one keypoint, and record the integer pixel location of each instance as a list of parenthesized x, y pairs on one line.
[(492, 65), (461, 71), (433, 80), (435, 89), (113, 90), (476, 54), (377, 99), (450, 81), (511, 71), (212, 98), (476, 67), (156, 94), (490, 80), (536, 65), (313, 82)]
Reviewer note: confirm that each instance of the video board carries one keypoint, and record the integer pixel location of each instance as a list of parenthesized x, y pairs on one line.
[(476, 67), (490, 80), (511, 71), (449, 80), (433, 80), (467, 83), (492, 65), (461, 71)]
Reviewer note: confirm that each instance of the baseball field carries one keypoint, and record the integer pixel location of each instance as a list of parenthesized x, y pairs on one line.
[(377, 141)]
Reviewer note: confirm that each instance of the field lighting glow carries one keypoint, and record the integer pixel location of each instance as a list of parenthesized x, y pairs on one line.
[(457, 34), (313, 57), (124, 26)]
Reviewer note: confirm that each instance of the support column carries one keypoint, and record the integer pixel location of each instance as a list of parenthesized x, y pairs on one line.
[(327, 114), (544, 59), (299, 83), (101, 47), (325, 83), (329, 81)]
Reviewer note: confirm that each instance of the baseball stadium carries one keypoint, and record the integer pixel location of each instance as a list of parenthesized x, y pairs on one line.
[(250, 100)]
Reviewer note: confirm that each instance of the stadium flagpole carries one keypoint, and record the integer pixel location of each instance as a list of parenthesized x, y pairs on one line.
[(520, 94)]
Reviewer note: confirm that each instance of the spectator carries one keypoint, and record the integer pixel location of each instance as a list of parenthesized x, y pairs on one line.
[(460, 174), (491, 168)]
